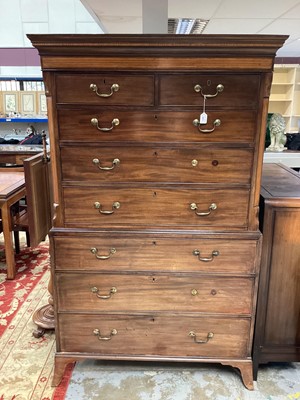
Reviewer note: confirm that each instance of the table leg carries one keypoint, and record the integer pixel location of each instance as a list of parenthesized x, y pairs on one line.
[(8, 241)]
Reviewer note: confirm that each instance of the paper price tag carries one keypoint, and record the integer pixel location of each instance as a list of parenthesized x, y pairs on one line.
[(203, 118)]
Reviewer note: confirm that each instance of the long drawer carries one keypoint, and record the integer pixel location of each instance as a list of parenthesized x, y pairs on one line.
[(85, 124), (130, 89), (154, 335), (119, 252), (142, 164), (153, 292), (88, 207), (237, 91)]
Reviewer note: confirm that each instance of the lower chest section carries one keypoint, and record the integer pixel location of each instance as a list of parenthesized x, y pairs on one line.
[(155, 295)]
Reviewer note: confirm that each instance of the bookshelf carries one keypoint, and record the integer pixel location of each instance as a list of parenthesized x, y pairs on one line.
[(285, 95)]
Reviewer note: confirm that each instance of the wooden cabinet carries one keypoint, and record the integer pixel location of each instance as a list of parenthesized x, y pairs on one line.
[(277, 331), (155, 247), (285, 95)]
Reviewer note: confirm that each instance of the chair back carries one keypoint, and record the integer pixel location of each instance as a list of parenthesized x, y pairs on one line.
[(38, 196)]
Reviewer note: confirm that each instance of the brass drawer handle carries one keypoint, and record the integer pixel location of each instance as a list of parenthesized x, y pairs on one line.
[(94, 251), (194, 207), (116, 205), (217, 122), (219, 89), (214, 254), (114, 88), (114, 122), (115, 162), (97, 332), (209, 336), (112, 291)]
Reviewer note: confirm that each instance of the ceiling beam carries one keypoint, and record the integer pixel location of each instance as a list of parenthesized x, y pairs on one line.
[(155, 16)]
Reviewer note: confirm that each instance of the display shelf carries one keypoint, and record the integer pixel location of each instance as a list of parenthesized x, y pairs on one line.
[(285, 95), (280, 99), (284, 74), (43, 119), (16, 127)]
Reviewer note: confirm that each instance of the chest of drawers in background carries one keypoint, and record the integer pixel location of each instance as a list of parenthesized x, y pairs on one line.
[(277, 328), (157, 145)]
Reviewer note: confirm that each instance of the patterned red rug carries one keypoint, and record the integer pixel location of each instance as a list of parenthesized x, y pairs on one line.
[(30, 266), (26, 363)]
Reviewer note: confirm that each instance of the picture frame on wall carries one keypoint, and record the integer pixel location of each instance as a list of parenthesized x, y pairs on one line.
[(10, 102), (42, 103), (28, 101)]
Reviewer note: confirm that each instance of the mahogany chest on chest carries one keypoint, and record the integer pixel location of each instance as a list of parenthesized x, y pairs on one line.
[(157, 144)]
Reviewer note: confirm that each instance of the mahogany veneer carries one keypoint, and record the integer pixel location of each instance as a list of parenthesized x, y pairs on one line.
[(155, 247)]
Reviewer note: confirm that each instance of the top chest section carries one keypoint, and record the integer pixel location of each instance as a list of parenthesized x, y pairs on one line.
[(159, 90)]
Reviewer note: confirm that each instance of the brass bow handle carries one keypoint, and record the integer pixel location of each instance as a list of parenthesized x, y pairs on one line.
[(194, 207), (114, 122), (97, 332), (219, 89), (112, 291), (114, 88), (209, 336), (94, 251), (217, 122), (214, 254), (115, 162), (116, 205)]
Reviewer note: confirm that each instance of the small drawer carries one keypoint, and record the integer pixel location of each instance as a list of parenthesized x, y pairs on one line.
[(175, 207), (155, 292), (96, 125), (220, 90), (110, 252), (144, 164), (154, 335), (103, 89)]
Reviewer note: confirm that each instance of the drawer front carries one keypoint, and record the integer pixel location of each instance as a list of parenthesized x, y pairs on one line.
[(155, 335), (132, 89), (140, 164), (85, 125), (84, 206), (238, 90), (154, 292), (132, 253)]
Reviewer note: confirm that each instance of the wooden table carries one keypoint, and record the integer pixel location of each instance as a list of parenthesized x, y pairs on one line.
[(16, 154), (289, 158), (12, 189)]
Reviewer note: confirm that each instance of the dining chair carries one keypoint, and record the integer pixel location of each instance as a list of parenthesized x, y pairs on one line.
[(34, 215)]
